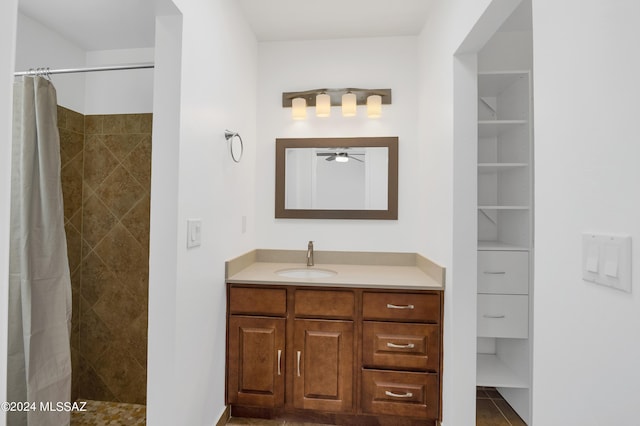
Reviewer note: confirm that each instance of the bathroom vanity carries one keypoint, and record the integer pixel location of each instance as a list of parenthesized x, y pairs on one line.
[(355, 339)]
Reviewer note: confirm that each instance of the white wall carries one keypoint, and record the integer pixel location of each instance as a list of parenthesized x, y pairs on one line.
[(372, 63), (448, 134), (163, 243), (8, 21), (507, 51), (218, 92), (40, 47), (119, 92), (587, 343)]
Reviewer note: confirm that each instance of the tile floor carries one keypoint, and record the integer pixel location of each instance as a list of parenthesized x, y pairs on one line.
[(237, 421), (491, 410), (103, 413)]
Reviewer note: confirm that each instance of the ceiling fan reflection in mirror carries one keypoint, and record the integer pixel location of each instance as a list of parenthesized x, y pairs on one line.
[(340, 157)]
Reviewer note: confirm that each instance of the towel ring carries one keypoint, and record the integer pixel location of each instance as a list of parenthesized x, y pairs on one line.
[(229, 135)]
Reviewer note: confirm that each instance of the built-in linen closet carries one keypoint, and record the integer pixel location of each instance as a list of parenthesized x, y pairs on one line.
[(505, 212)]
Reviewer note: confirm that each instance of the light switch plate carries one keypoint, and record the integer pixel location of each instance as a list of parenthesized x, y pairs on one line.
[(606, 260), (194, 232)]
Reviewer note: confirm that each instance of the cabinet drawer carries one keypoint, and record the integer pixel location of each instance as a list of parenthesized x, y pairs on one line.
[(401, 393), (324, 303), (503, 315), (503, 272), (258, 301), (401, 346), (401, 307)]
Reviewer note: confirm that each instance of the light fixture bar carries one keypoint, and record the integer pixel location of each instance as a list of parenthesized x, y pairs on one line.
[(336, 96)]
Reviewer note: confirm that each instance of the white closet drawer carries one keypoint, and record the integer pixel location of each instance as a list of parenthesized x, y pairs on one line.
[(503, 316), (503, 272)]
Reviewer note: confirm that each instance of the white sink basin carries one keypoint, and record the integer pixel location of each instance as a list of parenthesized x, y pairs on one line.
[(306, 273)]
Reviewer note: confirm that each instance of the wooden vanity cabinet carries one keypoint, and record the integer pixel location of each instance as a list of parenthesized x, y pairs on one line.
[(335, 355), (255, 355), (323, 365), (323, 349), (401, 353), (256, 327)]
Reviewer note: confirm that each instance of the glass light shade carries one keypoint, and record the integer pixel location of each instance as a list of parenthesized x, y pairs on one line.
[(342, 158), (299, 108), (348, 105), (374, 106), (323, 105)]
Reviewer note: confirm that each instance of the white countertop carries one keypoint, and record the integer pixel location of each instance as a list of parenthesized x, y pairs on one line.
[(347, 275)]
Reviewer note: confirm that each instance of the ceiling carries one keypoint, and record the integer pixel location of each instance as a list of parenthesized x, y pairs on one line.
[(97, 24), (123, 24), (329, 19)]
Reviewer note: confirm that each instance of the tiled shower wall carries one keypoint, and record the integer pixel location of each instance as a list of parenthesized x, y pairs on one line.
[(106, 181), (71, 129)]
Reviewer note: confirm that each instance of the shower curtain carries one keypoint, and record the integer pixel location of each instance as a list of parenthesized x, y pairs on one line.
[(39, 356)]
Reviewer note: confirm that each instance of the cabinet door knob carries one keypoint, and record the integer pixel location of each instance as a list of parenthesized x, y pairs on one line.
[(279, 361), (398, 395), (298, 356), (397, 346), (392, 306)]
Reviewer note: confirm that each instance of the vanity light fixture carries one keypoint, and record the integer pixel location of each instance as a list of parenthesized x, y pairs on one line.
[(348, 105), (374, 106), (323, 105), (348, 99), (299, 109)]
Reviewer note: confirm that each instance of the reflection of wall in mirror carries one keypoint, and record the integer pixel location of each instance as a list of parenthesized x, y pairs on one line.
[(299, 175), (377, 178), (312, 182), (340, 186)]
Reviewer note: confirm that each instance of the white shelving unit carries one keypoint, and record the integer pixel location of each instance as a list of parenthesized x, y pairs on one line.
[(493, 372), (505, 222), (493, 128)]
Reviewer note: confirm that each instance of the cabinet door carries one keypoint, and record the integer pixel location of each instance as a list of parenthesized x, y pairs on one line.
[(323, 365), (255, 361)]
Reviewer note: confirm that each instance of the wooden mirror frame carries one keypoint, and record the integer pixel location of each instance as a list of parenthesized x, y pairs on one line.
[(391, 213)]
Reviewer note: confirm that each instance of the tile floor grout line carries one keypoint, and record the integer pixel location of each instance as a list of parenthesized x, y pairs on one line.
[(500, 411)]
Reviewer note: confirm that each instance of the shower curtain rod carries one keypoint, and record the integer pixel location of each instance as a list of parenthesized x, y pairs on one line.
[(47, 71)]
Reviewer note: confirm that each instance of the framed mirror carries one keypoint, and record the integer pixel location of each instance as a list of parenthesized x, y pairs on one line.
[(337, 178)]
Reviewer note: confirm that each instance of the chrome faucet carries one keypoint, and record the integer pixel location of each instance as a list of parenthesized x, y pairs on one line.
[(310, 254)]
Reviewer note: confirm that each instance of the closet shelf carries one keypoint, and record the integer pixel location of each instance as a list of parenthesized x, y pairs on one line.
[(503, 207), (493, 128), (484, 245), (498, 167), (491, 371), (493, 83)]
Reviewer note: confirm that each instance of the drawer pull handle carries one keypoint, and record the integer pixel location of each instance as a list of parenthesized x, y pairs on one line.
[(398, 395), (391, 306), (494, 316), (494, 272), (298, 355), (396, 346), (279, 361)]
